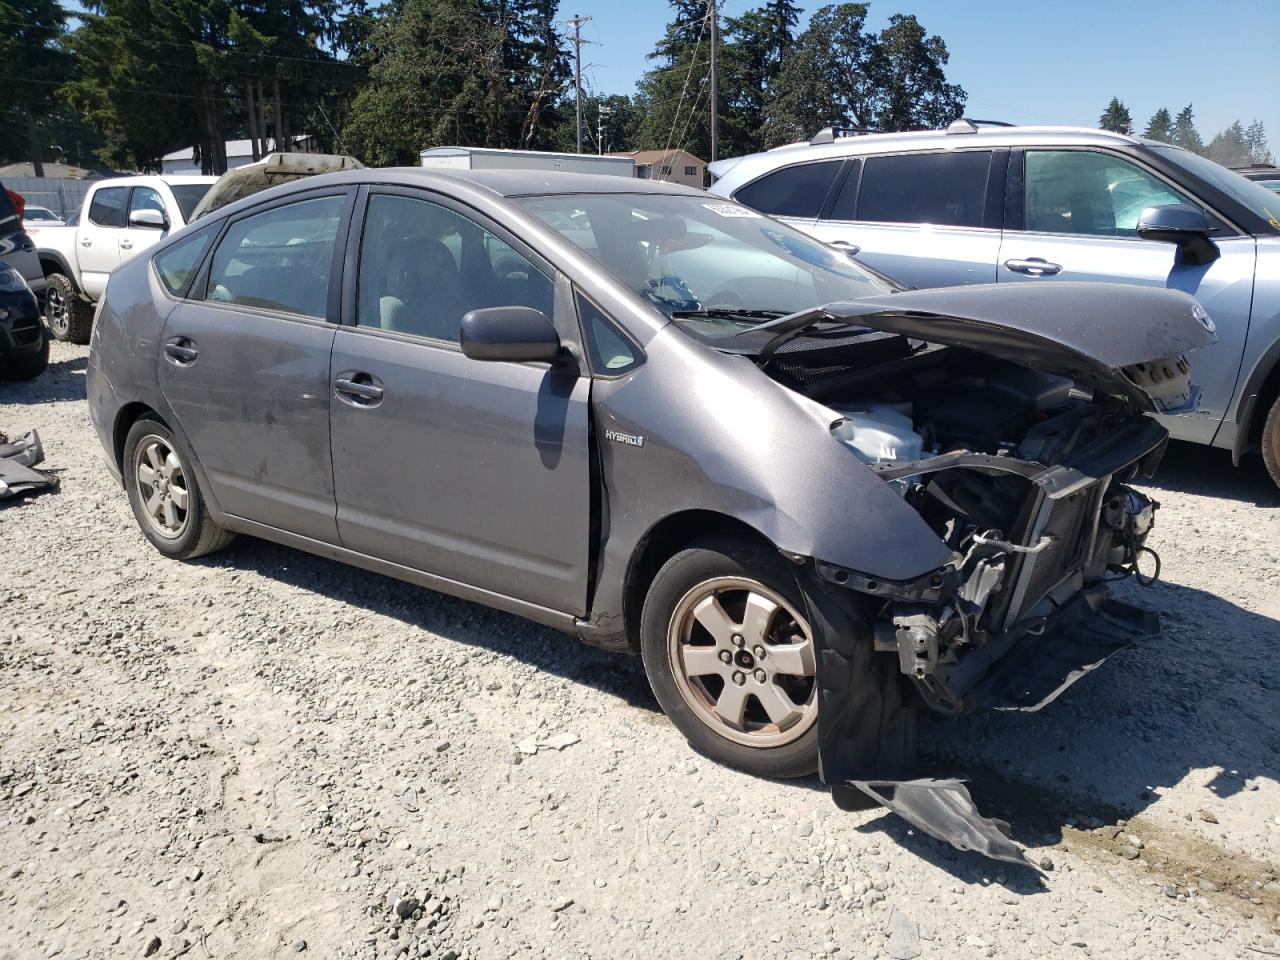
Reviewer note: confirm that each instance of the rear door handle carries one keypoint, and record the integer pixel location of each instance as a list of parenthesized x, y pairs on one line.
[(1034, 266), (850, 248), (126, 244), (86, 242), (181, 351), (358, 389)]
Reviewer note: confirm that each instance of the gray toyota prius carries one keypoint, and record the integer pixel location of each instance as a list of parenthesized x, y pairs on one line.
[(813, 501)]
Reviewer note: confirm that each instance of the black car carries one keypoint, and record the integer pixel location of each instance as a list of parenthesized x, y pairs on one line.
[(24, 340)]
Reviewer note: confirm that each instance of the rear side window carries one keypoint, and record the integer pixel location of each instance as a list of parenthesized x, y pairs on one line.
[(107, 207), (279, 259), (178, 264), (797, 191), (947, 189)]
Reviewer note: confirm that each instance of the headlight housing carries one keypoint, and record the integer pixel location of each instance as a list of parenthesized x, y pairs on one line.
[(11, 281)]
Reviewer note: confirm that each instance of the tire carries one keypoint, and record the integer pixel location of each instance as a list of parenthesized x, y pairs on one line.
[(1271, 442), (69, 317), (750, 596), (165, 495), (27, 368)]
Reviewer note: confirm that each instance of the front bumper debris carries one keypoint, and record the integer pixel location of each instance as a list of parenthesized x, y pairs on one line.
[(16, 461), (943, 809)]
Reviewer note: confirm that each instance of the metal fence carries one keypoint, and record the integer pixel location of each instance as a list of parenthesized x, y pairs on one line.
[(60, 194)]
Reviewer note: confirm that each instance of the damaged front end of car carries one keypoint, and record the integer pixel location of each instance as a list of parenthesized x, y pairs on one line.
[(1013, 425)]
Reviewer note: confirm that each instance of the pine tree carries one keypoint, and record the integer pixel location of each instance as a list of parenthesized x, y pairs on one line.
[(1230, 147), (1185, 134), (1160, 127), (757, 42), (1116, 118), (35, 63), (1256, 138)]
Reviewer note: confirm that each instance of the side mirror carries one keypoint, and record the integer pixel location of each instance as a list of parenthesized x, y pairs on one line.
[(1182, 225), (515, 334), (149, 219)]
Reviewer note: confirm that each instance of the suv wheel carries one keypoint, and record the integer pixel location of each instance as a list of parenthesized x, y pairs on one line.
[(165, 496), (1271, 442), (730, 657), (69, 317)]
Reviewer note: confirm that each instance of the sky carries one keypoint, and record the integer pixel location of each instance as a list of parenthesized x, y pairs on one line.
[(1058, 62)]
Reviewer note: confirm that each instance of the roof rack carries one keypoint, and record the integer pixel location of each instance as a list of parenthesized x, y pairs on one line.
[(831, 134), (969, 125)]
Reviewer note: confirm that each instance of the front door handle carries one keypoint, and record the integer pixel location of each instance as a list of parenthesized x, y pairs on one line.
[(86, 242), (358, 389), (126, 244), (181, 351), (1034, 266), (852, 249)]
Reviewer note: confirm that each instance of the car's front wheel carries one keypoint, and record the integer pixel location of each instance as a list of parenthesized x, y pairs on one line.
[(730, 656), (69, 317), (165, 495), (1271, 442)]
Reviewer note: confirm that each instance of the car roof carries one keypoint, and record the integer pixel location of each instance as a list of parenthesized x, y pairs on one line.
[(740, 170)]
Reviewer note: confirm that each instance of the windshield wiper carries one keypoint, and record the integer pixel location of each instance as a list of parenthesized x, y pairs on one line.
[(729, 313)]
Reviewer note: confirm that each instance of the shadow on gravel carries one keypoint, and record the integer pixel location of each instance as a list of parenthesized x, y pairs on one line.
[(1190, 468), (1201, 701), (463, 622), (62, 380), (1204, 696)]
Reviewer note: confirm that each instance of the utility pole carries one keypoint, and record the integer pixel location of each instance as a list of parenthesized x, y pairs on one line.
[(603, 112), (715, 81), (576, 21)]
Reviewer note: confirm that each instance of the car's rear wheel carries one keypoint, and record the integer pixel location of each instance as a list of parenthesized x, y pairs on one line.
[(69, 317), (730, 656), (165, 494), (1271, 442), (27, 367)]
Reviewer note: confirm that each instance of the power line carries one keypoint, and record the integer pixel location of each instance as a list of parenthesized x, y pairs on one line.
[(693, 57), (576, 22)]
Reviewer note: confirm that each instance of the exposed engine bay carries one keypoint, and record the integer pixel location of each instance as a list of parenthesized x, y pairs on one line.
[(1022, 475)]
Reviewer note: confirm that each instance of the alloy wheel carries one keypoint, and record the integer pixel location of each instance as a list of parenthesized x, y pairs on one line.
[(162, 487), (57, 311), (743, 660)]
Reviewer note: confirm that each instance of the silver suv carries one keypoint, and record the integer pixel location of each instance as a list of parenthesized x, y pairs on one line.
[(1000, 204)]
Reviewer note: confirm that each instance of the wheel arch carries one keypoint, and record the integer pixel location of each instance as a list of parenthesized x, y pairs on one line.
[(126, 417), (1260, 392), (660, 543), (53, 262)]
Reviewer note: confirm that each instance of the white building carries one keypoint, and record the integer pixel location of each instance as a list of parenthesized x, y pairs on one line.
[(239, 153), (486, 158)]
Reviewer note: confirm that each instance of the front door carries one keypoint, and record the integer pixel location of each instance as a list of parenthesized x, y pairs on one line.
[(1079, 213), (245, 364), (473, 471), (133, 240)]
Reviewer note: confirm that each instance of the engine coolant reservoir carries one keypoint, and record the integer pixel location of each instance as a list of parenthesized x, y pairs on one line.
[(879, 432)]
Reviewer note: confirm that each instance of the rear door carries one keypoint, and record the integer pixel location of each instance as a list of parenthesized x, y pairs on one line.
[(476, 472), (98, 238), (925, 219), (1073, 215), (244, 361)]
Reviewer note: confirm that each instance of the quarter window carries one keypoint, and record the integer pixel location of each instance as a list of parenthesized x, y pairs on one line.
[(797, 191), (423, 267), (107, 207), (946, 189), (178, 264), (279, 259), (610, 351), (1084, 192)]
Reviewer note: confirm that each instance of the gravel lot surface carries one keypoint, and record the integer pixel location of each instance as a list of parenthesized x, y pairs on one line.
[(263, 753)]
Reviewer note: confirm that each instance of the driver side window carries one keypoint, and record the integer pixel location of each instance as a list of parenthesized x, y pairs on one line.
[(1084, 192), (423, 267)]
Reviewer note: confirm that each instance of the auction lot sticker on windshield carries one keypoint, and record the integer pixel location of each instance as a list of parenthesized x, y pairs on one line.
[(731, 210)]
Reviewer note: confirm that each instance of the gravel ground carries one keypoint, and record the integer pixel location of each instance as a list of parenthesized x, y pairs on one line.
[(264, 753)]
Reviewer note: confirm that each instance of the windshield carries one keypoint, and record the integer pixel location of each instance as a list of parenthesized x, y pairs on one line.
[(716, 263), (1252, 195), (188, 195)]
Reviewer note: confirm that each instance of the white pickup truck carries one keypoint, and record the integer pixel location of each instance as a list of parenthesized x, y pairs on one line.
[(120, 217)]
